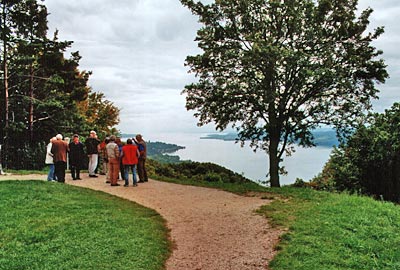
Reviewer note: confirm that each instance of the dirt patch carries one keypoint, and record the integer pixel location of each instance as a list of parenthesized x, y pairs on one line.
[(211, 229)]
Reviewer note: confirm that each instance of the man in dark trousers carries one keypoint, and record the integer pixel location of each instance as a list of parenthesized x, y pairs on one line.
[(76, 157), (59, 149), (142, 158)]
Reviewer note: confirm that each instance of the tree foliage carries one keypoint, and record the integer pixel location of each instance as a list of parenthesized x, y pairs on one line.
[(42, 92), (276, 70), (369, 162)]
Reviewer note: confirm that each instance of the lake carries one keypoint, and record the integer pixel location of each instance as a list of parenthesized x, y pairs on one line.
[(305, 163)]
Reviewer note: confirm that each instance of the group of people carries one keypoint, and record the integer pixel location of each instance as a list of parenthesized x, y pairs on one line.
[(117, 159)]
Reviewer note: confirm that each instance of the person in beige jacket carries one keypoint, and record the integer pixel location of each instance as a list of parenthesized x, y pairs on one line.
[(112, 153)]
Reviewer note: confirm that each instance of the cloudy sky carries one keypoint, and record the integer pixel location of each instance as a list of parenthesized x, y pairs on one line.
[(136, 51)]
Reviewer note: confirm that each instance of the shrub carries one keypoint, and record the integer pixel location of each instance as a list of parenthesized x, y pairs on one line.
[(369, 162)]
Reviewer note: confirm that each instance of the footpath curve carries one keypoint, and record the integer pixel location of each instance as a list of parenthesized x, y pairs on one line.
[(210, 229)]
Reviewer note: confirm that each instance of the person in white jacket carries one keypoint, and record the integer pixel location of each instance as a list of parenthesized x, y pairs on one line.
[(49, 161)]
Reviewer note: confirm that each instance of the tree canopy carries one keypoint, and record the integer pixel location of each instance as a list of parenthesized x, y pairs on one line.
[(276, 70), (42, 92)]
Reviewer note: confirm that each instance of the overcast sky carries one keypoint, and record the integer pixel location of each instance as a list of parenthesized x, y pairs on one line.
[(136, 50)]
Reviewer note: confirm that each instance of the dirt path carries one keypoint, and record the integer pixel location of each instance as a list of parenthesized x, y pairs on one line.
[(211, 229)]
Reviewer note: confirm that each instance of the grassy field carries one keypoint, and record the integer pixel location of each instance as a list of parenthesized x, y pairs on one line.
[(53, 226)]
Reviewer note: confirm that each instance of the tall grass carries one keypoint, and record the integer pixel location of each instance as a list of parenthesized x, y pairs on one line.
[(46, 225)]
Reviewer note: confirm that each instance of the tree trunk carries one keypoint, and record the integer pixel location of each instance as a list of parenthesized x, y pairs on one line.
[(30, 120), (5, 73), (274, 160)]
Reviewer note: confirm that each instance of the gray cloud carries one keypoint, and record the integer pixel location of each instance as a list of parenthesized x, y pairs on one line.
[(137, 48)]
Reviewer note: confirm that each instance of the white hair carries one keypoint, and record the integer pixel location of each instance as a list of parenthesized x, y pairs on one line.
[(59, 137)]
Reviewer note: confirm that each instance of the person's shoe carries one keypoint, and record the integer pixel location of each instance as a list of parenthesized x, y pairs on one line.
[(141, 181), (92, 175), (102, 173), (74, 178), (135, 185), (126, 185), (114, 185), (108, 182)]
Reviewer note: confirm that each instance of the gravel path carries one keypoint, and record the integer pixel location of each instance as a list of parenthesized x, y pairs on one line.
[(210, 229)]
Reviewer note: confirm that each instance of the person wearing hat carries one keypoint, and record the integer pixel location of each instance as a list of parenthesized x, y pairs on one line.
[(76, 156)]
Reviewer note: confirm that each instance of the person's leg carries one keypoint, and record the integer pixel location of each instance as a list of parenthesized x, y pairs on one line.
[(114, 171), (111, 168), (90, 166), (126, 175), (122, 170), (78, 173), (50, 175), (60, 171), (144, 171), (73, 172), (56, 170), (134, 175), (63, 168), (104, 169), (95, 162), (140, 170)]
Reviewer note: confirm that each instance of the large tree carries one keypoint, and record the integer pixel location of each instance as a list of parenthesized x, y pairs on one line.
[(277, 69)]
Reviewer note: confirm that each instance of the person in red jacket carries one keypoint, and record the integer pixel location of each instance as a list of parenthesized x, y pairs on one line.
[(130, 157)]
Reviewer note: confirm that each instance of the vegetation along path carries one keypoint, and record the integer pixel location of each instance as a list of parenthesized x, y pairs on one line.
[(210, 229)]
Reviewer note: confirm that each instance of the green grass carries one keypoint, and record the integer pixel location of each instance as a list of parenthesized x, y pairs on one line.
[(238, 188), (53, 226), (335, 231), (327, 231), (26, 172)]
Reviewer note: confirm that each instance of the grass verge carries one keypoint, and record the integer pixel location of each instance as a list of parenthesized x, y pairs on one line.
[(53, 226), (334, 231), (238, 188)]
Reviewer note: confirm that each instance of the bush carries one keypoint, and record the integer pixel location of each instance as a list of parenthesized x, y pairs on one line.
[(212, 177), (196, 171), (369, 162)]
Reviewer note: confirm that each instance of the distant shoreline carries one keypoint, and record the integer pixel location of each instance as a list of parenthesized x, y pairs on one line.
[(322, 137)]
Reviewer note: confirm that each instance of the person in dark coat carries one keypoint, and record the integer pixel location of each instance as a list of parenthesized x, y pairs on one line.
[(76, 157), (142, 159)]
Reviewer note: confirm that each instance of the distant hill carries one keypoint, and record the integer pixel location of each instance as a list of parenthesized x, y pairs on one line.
[(160, 148), (322, 137)]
